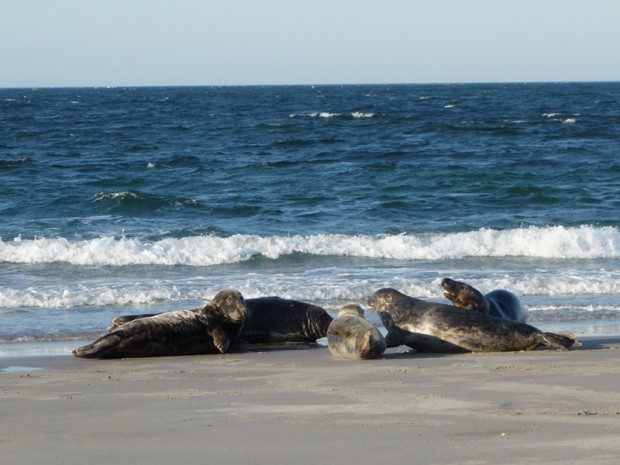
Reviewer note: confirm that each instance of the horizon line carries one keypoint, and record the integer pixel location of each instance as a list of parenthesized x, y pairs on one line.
[(446, 83)]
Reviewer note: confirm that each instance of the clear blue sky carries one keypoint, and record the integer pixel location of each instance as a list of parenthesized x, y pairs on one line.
[(193, 42)]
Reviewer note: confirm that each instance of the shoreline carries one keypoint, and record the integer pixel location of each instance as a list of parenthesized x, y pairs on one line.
[(303, 406), (41, 353)]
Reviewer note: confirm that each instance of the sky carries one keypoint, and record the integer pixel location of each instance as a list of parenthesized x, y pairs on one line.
[(244, 42)]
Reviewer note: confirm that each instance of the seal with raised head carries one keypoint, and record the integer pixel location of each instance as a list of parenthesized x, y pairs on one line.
[(350, 335), (199, 331), (272, 320), (434, 327), (500, 302)]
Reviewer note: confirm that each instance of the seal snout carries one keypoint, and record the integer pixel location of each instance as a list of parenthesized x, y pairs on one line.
[(451, 288)]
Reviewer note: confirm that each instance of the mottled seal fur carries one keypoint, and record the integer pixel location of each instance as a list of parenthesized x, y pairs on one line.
[(433, 327), (500, 303), (199, 331), (272, 320), (350, 335)]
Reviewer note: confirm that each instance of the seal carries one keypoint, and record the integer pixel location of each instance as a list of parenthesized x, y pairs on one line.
[(500, 303), (274, 319), (271, 320), (434, 327), (204, 330), (350, 335)]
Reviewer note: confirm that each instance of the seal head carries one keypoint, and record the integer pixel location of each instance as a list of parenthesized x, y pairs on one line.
[(500, 303), (352, 336), (463, 295)]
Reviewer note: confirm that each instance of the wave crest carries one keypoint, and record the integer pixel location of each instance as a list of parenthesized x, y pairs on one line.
[(556, 242)]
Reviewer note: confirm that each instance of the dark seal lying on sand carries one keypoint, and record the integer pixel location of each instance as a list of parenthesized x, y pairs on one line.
[(204, 330), (271, 320), (500, 303), (433, 327), (350, 335)]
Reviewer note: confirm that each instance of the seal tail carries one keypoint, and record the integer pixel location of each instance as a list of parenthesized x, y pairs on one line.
[(564, 341), (104, 347)]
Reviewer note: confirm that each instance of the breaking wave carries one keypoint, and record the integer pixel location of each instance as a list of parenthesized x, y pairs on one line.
[(555, 242)]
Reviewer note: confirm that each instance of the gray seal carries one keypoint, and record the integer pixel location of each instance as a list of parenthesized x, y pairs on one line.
[(350, 335), (272, 320), (500, 303), (434, 327), (204, 330)]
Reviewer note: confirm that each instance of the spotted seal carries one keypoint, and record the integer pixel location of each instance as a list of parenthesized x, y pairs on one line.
[(434, 327), (350, 335), (500, 303), (199, 331), (272, 320)]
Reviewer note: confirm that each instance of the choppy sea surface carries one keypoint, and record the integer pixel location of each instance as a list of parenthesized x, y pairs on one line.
[(127, 200)]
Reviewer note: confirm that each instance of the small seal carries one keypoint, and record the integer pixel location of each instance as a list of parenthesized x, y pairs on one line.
[(204, 330), (271, 320), (350, 335), (500, 303), (433, 327)]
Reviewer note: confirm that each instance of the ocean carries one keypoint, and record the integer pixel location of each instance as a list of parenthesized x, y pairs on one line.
[(130, 200)]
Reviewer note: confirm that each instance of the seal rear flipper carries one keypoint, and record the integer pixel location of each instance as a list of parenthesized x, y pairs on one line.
[(104, 347), (121, 320), (564, 341)]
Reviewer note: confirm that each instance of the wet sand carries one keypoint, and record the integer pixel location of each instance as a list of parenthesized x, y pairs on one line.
[(304, 407)]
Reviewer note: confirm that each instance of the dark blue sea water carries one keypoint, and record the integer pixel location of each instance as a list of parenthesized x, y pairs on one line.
[(120, 200)]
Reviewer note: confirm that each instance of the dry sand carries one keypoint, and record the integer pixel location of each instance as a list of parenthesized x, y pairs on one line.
[(304, 407)]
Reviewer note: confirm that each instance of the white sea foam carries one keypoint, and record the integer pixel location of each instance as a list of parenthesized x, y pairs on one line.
[(448, 106), (551, 283), (575, 309), (328, 114), (570, 121), (328, 287), (115, 195), (557, 242), (87, 296)]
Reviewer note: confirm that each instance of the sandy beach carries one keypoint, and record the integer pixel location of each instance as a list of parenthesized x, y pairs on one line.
[(303, 406)]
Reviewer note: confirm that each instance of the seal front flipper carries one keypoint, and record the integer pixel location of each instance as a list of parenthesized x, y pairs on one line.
[(221, 341), (396, 337)]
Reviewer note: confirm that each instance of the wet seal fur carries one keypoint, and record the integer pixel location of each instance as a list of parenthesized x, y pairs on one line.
[(204, 330), (271, 320), (434, 327), (500, 303), (350, 335)]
